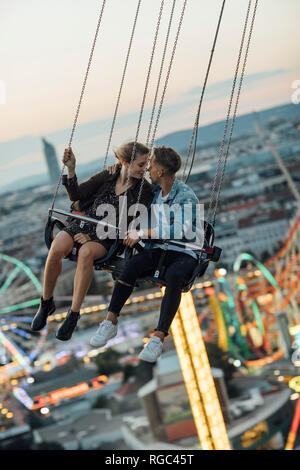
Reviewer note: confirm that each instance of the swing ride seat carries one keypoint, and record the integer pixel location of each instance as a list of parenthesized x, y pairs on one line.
[(209, 253), (54, 222), (117, 256)]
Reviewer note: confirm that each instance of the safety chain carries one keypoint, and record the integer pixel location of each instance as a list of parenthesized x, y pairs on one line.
[(162, 100), (220, 156), (81, 97), (227, 118), (122, 83), (160, 72), (142, 108), (235, 111), (195, 129)]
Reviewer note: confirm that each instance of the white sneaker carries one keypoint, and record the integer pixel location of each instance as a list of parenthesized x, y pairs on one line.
[(152, 350), (106, 331)]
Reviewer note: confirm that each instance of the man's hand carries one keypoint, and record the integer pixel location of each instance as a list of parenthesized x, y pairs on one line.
[(113, 168), (82, 238), (131, 238)]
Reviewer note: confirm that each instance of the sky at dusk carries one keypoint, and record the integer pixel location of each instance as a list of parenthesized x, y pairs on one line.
[(44, 50)]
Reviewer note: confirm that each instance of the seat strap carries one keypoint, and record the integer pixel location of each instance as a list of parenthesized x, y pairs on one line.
[(161, 268)]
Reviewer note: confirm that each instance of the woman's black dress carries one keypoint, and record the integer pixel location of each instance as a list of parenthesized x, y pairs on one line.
[(79, 226)]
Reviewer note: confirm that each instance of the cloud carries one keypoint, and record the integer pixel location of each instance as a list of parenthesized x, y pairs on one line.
[(222, 89), (35, 158)]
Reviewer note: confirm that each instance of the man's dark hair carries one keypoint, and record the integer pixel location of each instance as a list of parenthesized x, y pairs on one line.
[(168, 159)]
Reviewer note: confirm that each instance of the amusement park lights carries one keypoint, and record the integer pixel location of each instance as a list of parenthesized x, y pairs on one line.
[(262, 268), (14, 298), (191, 384), (198, 377), (294, 384), (15, 352), (133, 300), (19, 266), (220, 272)]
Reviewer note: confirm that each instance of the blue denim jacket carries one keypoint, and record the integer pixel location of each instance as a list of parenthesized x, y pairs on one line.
[(181, 222)]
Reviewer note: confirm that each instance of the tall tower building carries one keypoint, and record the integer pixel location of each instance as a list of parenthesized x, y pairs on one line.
[(52, 163)]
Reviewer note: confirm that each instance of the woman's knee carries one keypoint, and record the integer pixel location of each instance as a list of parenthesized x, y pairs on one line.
[(86, 254), (59, 249), (90, 251)]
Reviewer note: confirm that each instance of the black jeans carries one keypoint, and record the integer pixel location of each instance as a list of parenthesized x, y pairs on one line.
[(179, 268)]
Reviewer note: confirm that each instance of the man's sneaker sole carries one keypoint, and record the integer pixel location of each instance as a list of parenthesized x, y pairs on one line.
[(99, 341), (146, 358)]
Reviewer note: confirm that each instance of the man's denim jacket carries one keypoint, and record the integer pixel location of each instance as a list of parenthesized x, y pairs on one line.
[(184, 215)]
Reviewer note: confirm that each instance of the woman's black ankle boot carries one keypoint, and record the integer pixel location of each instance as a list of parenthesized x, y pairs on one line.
[(47, 307)]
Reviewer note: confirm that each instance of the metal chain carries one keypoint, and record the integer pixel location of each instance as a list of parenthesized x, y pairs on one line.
[(162, 100), (160, 72), (168, 73), (235, 112), (195, 129), (220, 155), (81, 97), (227, 118), (122, 83), (143, 104)]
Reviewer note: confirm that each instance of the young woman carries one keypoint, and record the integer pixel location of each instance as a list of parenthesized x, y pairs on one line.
[(102, 188)]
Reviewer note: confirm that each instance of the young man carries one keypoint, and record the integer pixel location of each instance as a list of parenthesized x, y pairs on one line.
[(180, 262)]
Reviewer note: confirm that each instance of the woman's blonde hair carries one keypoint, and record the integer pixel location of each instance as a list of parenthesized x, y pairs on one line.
[(124, 152)]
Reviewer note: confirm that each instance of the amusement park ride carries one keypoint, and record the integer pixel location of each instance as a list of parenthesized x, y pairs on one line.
[(255, 313)]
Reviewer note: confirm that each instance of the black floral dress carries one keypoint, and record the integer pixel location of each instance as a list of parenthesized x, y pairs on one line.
[(76, 226)]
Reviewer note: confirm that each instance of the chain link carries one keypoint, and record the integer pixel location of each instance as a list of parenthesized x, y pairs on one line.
[(168, 74), (81, 97), (142, 109), (235, 112), (195, 129), (227, 118), (122, 83), (160, 72), (162, 99), (220, 155)]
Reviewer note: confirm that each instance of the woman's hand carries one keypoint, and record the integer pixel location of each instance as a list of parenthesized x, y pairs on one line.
[(113, 168), (69, 159), (131, 238), (81, 238)]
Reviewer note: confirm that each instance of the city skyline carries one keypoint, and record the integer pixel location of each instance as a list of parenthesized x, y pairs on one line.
[(43, 79)]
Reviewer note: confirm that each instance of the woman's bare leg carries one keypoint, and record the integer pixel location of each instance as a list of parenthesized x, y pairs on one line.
[(88, 253), (61, 246)]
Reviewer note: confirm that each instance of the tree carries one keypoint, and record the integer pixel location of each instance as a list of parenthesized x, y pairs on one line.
[(143, 372), (219, 359), (101, 402), (108, 362), (128, 371)]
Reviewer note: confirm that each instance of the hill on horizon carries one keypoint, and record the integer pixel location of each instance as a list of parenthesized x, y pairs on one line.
[(179, 140)]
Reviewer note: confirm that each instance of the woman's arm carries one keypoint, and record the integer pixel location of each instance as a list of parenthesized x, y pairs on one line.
[(69, 161), (70, 180), (85, 190)]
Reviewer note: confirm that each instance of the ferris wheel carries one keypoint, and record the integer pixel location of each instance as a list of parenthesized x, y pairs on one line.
[(20, 293)]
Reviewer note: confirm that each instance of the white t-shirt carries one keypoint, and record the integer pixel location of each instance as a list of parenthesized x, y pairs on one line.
[(159, 214)]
